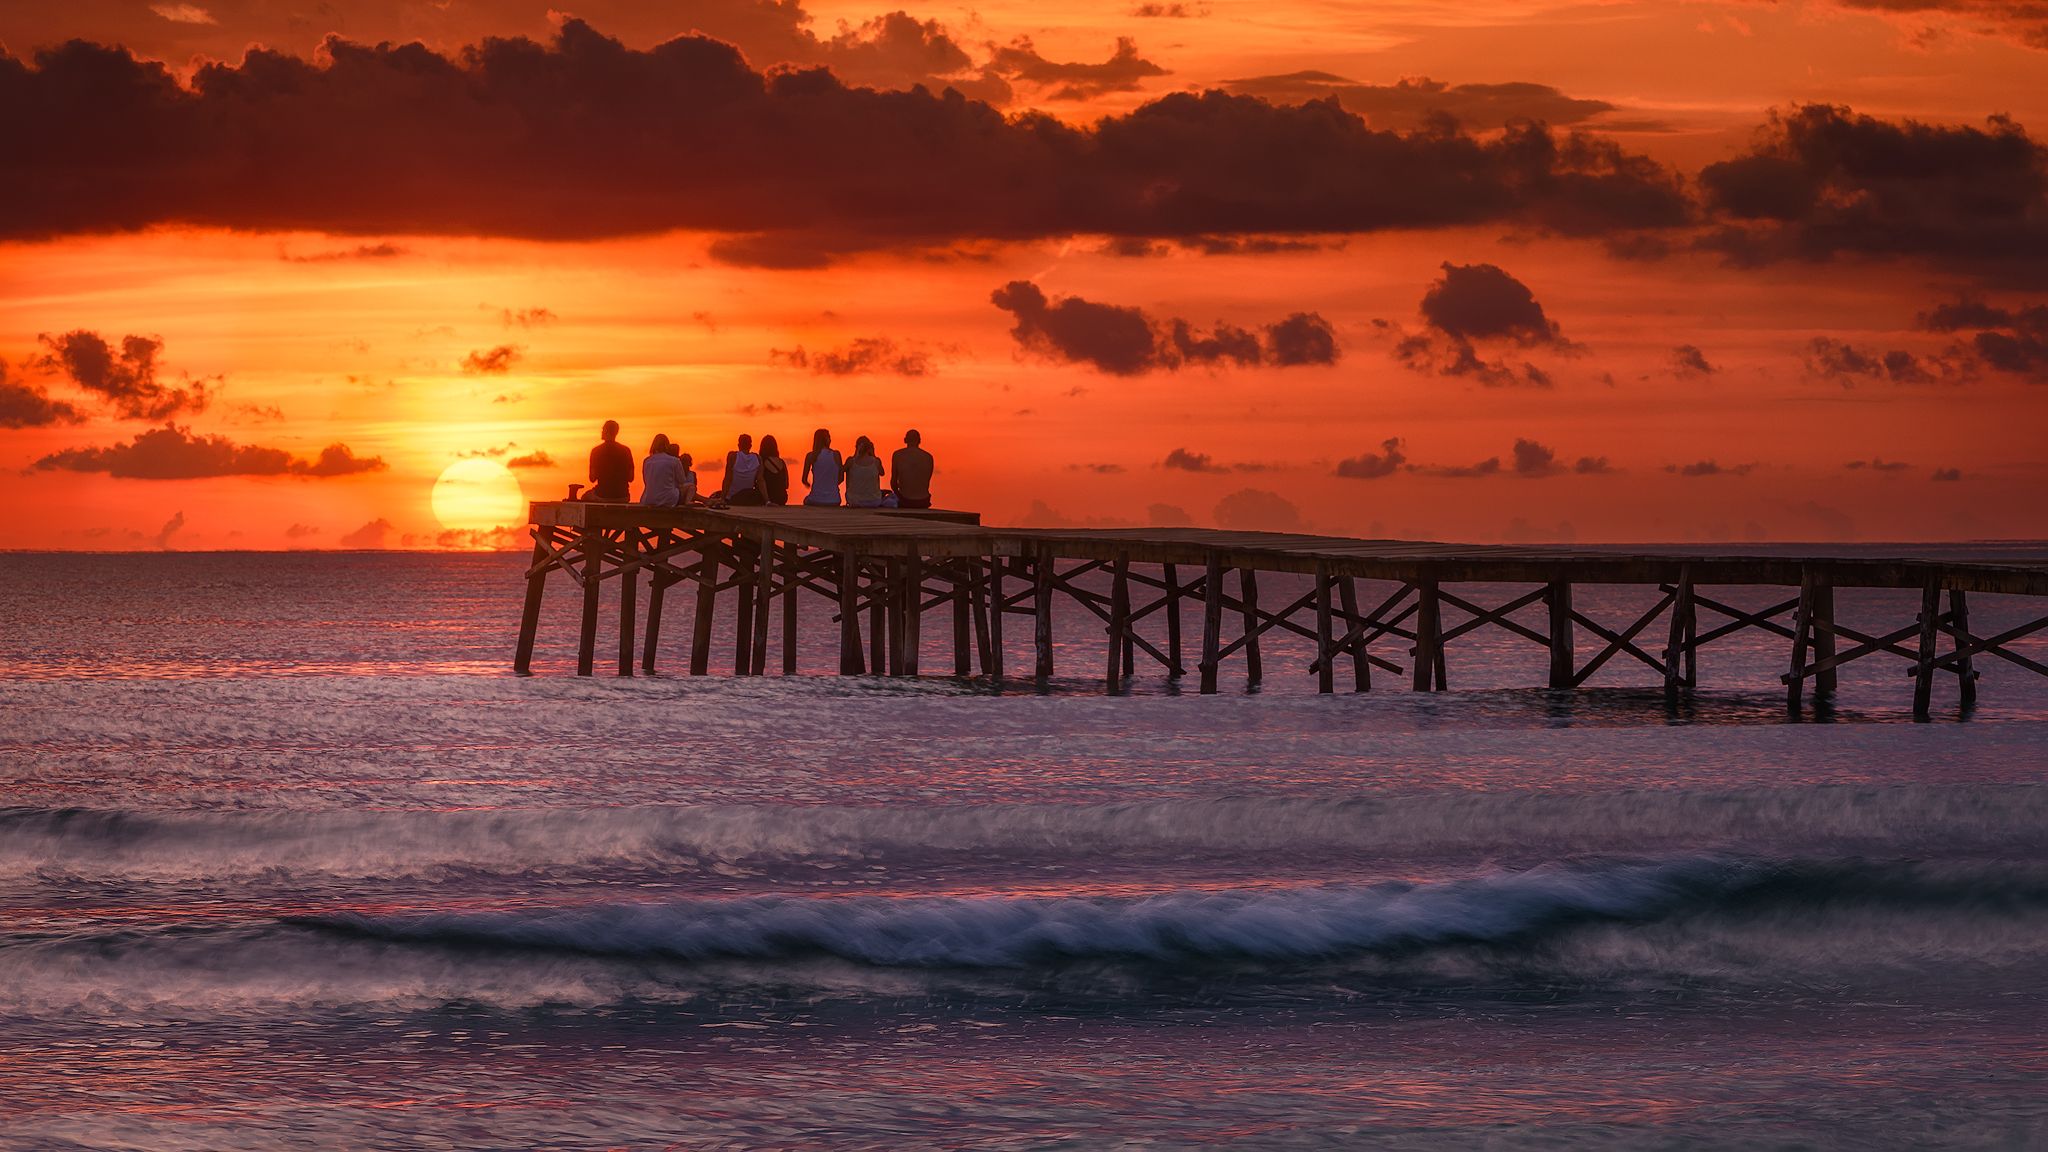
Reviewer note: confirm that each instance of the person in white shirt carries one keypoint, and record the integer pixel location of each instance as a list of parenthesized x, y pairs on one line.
[(743, 474), (660, 475)]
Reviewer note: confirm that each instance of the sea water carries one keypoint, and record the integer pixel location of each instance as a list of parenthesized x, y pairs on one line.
[(288, 859)]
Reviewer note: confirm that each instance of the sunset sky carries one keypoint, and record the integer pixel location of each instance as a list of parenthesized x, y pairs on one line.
[(1476, 271)]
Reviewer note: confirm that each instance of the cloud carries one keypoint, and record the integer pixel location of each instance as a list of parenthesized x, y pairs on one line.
[(1822, 182), (1689, 363), (1834, 360), (1475, 305), (1374, 465), (1187, 461), (1490, 466), (375, 534), (1125, 341), (1257, 510), (1168, 516), (534, 459), (758, 409), (1043, 515), (381, 251), (1593, 466), (2022, 21), (1877, 464), (504, 537), (492, 361), (863, 356), (2008, 340), (171, 528), (1124, 71), (1947, 474), (526, 317), (1709, 468), (1098, 469), (1533, 460), (183, 13), (1172, 11), (300, 531), (126, 380), (26, 406), (397, 139), (174, 453), (1421, 102)]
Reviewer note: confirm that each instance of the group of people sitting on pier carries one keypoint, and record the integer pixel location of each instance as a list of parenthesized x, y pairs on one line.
[(668, 478)]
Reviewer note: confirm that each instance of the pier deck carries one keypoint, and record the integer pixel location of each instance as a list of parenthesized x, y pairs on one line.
[(898, 566)]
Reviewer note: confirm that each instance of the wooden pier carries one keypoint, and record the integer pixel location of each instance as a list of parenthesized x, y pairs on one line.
[(894, 568)]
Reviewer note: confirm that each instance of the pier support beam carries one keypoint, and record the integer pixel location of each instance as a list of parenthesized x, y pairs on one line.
[(1802, 642), (964, 584), (1823, 628), (650, 643), (1959, 623), (912, 600), (1930, 634), (1361, 668), (764, 593), (997, 610), (1429, 637), (529, 612), (1326, 652), (1175, 669), (1119, 624), (881, 606), (707, 611), (790, 582), (746, 571), (629, 593), (849, 614), (1562, 657), (593, 548), (1212, 623), (1042, 614), (1248, 592), (1682, 627)]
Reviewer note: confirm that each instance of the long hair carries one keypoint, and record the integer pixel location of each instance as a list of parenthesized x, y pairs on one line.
[(863, 447), (821, 439), (660, 445), (770, 450)]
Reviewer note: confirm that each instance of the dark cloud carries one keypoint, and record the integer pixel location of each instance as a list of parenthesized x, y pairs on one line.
[(1416, 103), (1947, 474), (1533, 460), (26, 406), (1709, 468), (397, 139), (300, 531), (1478, 305), (1374, 465), (375, 534), (1043, 515), (1125, 341), (1124, 71), (492, 361), (174, 453), (1257, 510), (1098, 469), (1842, 363), (1690, 363), (1490, 466), (1168, 516), (126, 380), (171, 528), (534, 459), (1877, 464), (1593, 466), (382, 251), (1822, 182), (2022, 21), (1187, 461), (863, 356), (526, 317), (1172, 11), (2009, 340)]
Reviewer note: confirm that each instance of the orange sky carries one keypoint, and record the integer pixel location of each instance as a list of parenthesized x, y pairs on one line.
[(359, 335)]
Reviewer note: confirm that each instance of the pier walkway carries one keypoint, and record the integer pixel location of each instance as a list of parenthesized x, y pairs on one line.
[(897, 567)]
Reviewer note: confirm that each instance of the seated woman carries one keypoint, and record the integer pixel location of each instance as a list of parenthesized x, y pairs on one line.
[(660, 483), (821, 471), (774, 472), (686, 478), (743, 474), (864, 476)]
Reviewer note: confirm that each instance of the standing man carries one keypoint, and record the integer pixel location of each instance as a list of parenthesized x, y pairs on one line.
[(912, 468), (611, 468)]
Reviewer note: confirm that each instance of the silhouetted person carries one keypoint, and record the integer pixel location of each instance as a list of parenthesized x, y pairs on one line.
[(912, 468), (774, 472), (864, 476), (743, 474), (821, 470), (611, 467), (686, 479), (661, 475)]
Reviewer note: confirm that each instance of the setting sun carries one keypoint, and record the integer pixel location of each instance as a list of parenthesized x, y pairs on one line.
[(477, 495)]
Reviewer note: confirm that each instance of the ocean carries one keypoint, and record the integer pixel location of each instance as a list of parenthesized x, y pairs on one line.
[(289, 859)]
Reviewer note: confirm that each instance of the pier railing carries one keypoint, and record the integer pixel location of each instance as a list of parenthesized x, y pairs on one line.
[(894, 568)]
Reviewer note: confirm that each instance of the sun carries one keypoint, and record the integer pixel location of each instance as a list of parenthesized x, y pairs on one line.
[(477, 495)]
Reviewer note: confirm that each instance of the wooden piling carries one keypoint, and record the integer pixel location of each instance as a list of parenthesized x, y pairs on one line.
[(629, 592), (1326, 653), (978, 577), (1675, 646), (1429, 637), (997, 611), (1248, 592), (1930, 633), (790, 580), (1174, 668), (849, 614), (882, 613), (707, 609), (1823, 629), (764, 594), (746, 572), (529, 612), (657, 594), (1042, 614), (1119, 622), (1959, 626), (1212, 622), (1802, 640), (1562, 659), (963, 618), (593, 548), (1361, 668), (911, 597)]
